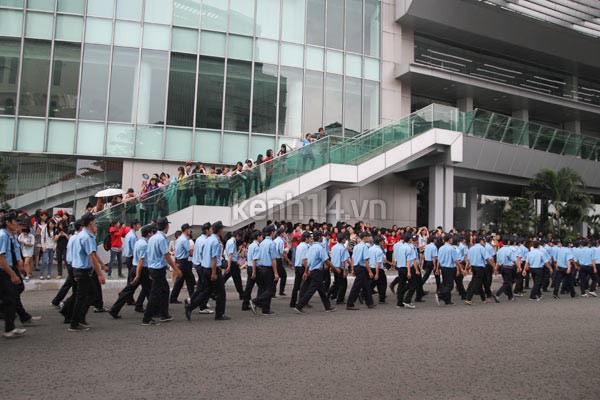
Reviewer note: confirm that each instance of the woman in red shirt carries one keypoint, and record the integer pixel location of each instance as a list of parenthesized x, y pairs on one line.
[(117, 233)]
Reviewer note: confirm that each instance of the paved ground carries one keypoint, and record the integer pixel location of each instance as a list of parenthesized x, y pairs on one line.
[(523, 350)]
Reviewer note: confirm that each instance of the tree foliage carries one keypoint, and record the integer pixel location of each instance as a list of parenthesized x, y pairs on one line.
[(519, 216), (563, 191)]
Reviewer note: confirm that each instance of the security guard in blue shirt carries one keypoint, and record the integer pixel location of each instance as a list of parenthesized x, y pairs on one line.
[(267, 274), (8, 278), (232, 269), (281, 256), (409, 273), (317, 259), (523, 251), (449, 267), (68, 284), (377, 262), (489, 268), (128, 245), (430, 262), (300, 267), (212, 278), (476, 262), (461, 249), (140, 273), (506, 260), (197, 262), (183, 251), (252, 255), (159, 257), (564, 268), (341, 261), (85, 262), (587, 270), (362, 272), (536, 261)]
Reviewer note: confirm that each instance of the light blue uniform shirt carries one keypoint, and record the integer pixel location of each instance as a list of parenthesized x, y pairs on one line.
[(553, 252), (536, 258), (489, 251), (547, 257), (83, 247), (279, 246), (476, 256), (231, 248), (506, 257), (129, 244), (139, 251), (69, 255), (576, 251), (401, 252), (267, 253), (413, 254), (447, 256), (5, 246), (17, 247), (158, 246), (252, 253), (461, 250), (182, 247), (325, 244), (586, 255), (430, 252), (317, 255), (212, 248), (376, 256), (597, 255), (301, 253), (360, 254), (563, 255), (339, 255), (524, 252), (197, 256)]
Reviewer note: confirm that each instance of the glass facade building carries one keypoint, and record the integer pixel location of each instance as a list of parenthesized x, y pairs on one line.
[(212, 80)]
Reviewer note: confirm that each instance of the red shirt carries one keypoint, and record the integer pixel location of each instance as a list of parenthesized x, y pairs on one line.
[(296, 237), (116, 235), (391, 241)]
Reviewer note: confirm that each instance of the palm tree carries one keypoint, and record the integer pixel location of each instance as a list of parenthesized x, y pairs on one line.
[(562, 190)]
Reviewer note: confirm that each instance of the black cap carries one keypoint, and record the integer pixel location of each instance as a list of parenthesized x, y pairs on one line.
[(268, 230), (326, 233), (217, 226), (406, 237), (377, 239), (206, 226), (85, 220), (185, 226), (134, 221), (280, 231), (317, 235), (256, 234), (414, 238), (341, 237), (585, 242), (364, 235), (306, 235), (162, 223)]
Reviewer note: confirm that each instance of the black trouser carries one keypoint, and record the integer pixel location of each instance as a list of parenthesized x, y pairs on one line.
[(361, 283), (586, 272), (235, 274), (97, 299), (508, 278), (8, 303), (282, 276), (187, 276), (561, 276), (326, 278), (84, 295), (519, 279), (248, 290), (546, 279), (61, 256), (476, 284), (427, 270), (158, 301), (208, 287), (20, 288), (448, 276), (339, 287), (537, 275), (299, 285), (195, 297), (487, 281), (316, 285), (407, 286), (129, 290), (130, 274), (64, 289), (380, 284), (265, 278)]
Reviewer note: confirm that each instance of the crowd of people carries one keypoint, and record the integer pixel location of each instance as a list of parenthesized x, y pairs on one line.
[(312, 252)]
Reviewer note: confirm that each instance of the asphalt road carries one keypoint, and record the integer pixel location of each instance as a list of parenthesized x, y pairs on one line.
[(522, 350)]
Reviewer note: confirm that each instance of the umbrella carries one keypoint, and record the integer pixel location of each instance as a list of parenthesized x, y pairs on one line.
[(110, 192)]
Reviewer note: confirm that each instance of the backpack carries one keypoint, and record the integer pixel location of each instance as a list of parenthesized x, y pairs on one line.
[(106, 242)]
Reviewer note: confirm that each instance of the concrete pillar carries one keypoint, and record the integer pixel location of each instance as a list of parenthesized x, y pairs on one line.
[(334, 204), (523, 115), (448, 197), (436, 197), (472, 208), (465, 104)]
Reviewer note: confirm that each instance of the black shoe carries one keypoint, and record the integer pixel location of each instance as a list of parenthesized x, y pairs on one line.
[(299, 310), (556, 297), (175, 302), (372, 306), (382, 302), (166, 319), (425, 292), (114, 314), (253, 307), (330, 309), (150, 323), (188, 310), (420, 301), (496, 299), (268, 313), (100, 310), (121, 276), (78, 328), (140, 310), (222, 318), (282, 294), (352, 308), (340, 302), (57, 306), (308, 306), (393, 289)]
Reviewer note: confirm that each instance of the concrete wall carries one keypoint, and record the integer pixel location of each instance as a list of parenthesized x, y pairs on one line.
[(133, 170)]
